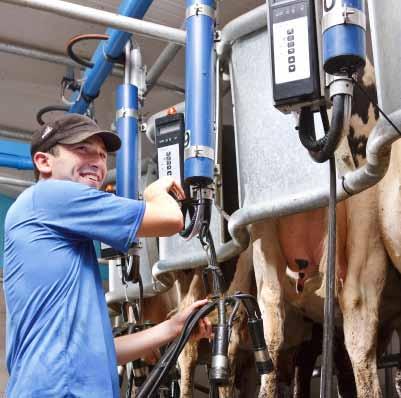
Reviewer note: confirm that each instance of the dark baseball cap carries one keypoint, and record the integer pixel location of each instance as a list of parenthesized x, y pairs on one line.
[(71, 128)]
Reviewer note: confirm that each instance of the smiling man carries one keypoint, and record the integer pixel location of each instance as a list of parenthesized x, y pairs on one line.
[(59, 339)]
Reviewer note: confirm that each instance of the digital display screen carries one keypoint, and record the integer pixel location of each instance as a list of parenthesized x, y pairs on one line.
[(169, 128)]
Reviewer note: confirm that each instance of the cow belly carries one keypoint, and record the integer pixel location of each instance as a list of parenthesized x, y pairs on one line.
[(302, 240)]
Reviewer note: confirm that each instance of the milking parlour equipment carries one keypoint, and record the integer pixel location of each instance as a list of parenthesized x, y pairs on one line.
[(302, 47), (186, 151)]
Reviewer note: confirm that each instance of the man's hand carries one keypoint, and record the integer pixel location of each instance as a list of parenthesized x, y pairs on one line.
[(164, 185), (204, 329)]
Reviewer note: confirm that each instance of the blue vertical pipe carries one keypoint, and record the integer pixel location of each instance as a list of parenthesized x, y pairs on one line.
[(127, 128), (106, 51), (199, 88), (344, 45)]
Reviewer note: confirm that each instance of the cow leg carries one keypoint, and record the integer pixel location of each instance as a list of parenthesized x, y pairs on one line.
[(187, 363), (246, 379), (190, 289), (243, 281), (269, 266), (306, 357), (345, 374), (361, 293)]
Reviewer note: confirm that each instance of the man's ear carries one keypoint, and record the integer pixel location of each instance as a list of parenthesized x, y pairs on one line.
[(43, 163)]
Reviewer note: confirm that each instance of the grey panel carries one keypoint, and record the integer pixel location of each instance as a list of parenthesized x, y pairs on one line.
[(385, 17), (272, 164)]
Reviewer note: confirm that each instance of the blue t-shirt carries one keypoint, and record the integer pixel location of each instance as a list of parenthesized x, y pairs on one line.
[(59, 341)]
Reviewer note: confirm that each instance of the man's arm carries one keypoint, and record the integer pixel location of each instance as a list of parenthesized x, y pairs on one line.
[(141, 344), (162, 216)]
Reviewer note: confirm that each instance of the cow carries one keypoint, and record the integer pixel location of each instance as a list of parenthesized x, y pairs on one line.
[(360, 261)]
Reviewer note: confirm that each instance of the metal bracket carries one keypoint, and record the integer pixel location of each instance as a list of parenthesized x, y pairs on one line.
[(143, 127), (199, 151), (344, 15), (205, 192), (340, 85), (200, 9), (127, 112)]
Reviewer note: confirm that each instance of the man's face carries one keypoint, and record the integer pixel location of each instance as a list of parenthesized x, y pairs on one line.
[(85, 162)]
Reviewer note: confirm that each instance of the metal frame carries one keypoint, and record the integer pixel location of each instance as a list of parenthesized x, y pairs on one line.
[(378, 148), (109, 19), (60, 59)]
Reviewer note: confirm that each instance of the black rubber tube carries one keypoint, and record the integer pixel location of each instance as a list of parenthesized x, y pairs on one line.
[(170, 356), (76, 39), (50, 108), (321, 150), (193, 210)]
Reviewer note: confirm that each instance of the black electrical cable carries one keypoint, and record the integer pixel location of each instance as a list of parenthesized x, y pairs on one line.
[(50, 108), (376, 105), (250, 303), (193, 211), (76, 39), (326, 386), (206, 239), (321, 150), (234, 311), (170, 356)]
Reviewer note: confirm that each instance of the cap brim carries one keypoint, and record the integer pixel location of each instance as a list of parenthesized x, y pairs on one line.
[(111, 141)]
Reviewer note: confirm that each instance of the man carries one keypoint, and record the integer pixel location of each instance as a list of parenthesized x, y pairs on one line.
[(59, 339)]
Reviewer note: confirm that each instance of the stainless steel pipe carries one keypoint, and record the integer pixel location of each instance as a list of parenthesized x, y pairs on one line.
[(109, 19), (378, 157)]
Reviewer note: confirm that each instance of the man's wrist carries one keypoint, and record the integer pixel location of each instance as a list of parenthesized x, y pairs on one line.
[(174, 329)]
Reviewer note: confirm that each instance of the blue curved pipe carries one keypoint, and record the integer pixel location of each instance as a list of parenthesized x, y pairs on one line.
[(101, 59)]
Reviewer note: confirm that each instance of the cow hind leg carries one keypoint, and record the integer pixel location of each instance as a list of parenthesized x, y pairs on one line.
[(269, 266), (360, 330), (187, 363), (360, 312), (360, 296), (345, 374)]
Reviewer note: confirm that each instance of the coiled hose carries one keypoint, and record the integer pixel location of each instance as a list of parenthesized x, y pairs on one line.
[(321, 150)]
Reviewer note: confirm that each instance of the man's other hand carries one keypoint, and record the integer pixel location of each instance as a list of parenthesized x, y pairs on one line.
[(204, 327)]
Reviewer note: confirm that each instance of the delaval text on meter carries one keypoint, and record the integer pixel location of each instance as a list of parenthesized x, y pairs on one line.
[(294, 51), (170, 132)]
